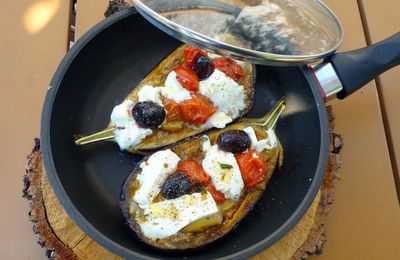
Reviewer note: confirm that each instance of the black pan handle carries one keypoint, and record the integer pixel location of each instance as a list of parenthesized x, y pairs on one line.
[(356, 68)]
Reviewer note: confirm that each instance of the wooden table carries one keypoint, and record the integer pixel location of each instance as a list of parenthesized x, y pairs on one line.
[(365, 219)]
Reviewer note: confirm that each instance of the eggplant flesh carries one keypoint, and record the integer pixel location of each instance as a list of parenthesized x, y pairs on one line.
[(171, 132), (203, 232)]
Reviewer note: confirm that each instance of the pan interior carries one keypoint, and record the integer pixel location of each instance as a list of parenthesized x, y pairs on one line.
[(101, 75)]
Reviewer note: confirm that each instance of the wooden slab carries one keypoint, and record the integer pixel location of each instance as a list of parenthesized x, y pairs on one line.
[(382, 21), (33, 41)]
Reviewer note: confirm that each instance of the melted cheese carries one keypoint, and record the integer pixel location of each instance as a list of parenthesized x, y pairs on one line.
[(218, 120), (226, 180), (154, 172), (166, 218), (150, 93), (127, 132), (270, 143), (174, 90), (206, 146), (224, 92)]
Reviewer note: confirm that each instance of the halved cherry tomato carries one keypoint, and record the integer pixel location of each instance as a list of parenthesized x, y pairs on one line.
[(173, 110), (229, 67), (252, 167), (191, 54), (194, 171), (197, 109), (187, 77), (218, 196)]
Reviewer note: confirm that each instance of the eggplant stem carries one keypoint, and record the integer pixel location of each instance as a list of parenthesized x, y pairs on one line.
[(269, 120), (105, 135), (272, 117)]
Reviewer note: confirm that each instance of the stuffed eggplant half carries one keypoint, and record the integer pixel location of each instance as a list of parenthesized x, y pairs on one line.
[(189, 92), (198, 190)]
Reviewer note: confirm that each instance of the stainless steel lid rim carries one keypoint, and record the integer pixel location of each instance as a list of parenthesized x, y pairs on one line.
[(196, 37)]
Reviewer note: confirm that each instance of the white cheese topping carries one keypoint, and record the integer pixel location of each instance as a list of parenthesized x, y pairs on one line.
[(127, 132), (269, 143), (154, 172), (224, 92), (272, 139), (224, 171), (174, 90), (166, 218), (218, 119), (150, 93), (206, 144)]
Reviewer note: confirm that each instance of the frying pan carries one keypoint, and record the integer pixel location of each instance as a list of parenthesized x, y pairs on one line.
[(102, 68)]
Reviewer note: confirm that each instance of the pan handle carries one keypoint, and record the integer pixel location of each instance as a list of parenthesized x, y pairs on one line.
[(356, 68)]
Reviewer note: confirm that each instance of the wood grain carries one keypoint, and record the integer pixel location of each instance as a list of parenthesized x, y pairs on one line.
[(365, 218), (380, 23)]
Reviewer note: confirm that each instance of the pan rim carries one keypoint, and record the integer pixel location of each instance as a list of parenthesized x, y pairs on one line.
[(105, 241)]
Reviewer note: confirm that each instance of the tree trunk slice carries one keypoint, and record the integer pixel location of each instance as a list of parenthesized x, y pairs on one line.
[(62, 239)]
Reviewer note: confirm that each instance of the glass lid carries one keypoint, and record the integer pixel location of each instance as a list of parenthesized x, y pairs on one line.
[(272, 32)]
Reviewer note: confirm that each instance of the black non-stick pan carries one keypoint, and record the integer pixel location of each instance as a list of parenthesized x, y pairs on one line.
[(102, 68)]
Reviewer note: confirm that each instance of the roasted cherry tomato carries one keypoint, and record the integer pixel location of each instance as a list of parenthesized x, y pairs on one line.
[(191, 54), (197, 109), (194, 171), (229, 67), (218, 196), (252, 167), (187, 77), (173, 110)]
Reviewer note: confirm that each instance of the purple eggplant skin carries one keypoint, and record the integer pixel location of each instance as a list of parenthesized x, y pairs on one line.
[(190, 149)]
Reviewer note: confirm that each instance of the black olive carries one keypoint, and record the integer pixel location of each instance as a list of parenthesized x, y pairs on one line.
[(203, 67), (148, 114), (176, 185), (234, 141)]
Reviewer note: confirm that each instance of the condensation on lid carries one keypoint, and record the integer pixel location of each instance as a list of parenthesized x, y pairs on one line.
[(262, 31)]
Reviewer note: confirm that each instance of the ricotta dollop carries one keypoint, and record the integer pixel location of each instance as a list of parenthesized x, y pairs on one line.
[(174, 90), (153, 173), (224, 171), (225, 93), (150, 93), (127, 132), (166, 218), (265, 144)]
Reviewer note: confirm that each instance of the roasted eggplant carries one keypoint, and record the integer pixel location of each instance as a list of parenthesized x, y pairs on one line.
[(164, 109), (165, 213)]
